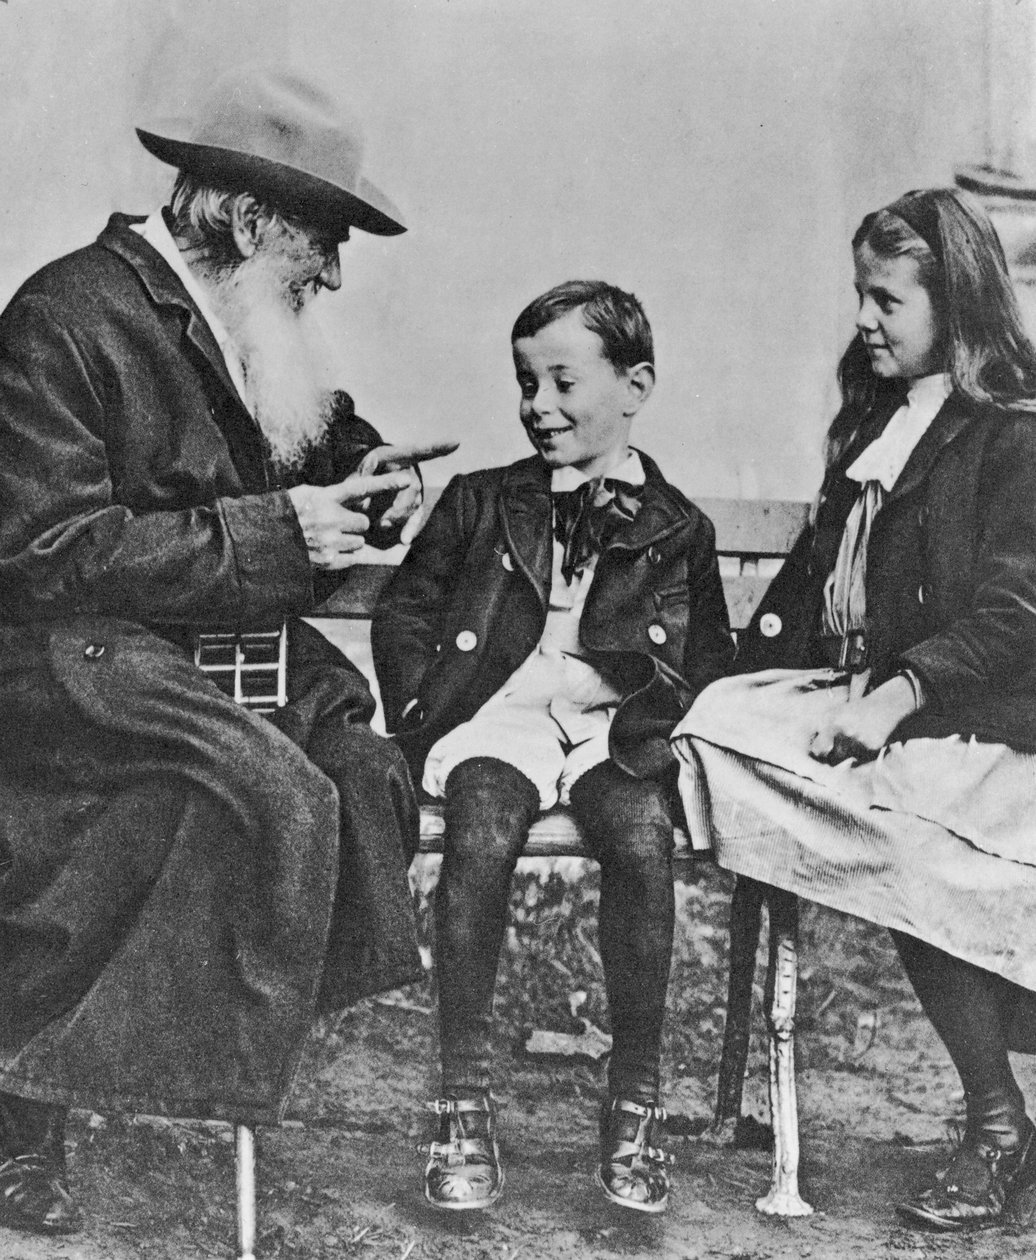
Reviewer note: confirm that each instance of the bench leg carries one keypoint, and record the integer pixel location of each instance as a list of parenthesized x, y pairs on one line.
[(783, 1197), (245, 1178), (745, 913)]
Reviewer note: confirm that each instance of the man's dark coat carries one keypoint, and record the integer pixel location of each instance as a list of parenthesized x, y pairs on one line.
[(469, 603), (951, 576), (182, 883)]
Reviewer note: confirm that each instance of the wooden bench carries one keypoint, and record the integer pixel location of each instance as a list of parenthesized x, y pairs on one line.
[(752, 538)]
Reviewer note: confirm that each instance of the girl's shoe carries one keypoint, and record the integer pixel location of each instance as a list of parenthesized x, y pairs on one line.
[(633, 1173), (977, 1185), (464, 1172)]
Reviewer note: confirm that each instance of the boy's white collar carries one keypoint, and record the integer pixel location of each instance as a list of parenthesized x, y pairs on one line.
[(629, 469)]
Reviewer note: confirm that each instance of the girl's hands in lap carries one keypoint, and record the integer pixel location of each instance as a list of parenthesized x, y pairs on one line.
[(864, 726)]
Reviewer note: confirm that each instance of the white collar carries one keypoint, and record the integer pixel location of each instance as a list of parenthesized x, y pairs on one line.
[(928, 391), (885, 458), (629, 469)]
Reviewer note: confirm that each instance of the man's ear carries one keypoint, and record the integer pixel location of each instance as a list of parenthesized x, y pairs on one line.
[(249, 221), (640, 381)]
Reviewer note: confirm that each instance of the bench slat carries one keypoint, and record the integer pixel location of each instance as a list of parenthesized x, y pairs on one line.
[(748, 529), (554, 834), (755, 527), (356, 597)]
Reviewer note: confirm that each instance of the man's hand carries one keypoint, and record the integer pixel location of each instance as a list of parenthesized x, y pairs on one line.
[(863, 727), (333, 519), (405, 508)]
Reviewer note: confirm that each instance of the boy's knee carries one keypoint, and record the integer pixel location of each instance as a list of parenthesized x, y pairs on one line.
[(489, 809), (490, 785)]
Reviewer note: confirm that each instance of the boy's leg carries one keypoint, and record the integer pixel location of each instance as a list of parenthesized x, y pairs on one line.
[(628, 824), (971, 1010), (629, 827), (490, 807)]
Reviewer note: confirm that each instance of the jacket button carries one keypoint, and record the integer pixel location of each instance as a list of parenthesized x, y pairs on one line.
[(922, 593), (467, 640), (656, 633), (507, 562), (654, 555), (770, 625), (93, 651), (922, 515)]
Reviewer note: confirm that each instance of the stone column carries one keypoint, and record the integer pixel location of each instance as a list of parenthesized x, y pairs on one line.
[(1005, 178)]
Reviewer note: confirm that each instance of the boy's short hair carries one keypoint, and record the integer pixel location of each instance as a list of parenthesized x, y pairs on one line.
[(614, 315)]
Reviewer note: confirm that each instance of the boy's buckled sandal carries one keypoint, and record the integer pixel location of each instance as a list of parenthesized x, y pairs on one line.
[(976, 1187), (34, 1196), (463, 1172), (633, 1173)]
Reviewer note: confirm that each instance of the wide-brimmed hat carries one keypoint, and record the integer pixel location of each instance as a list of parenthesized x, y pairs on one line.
[(272, 133)]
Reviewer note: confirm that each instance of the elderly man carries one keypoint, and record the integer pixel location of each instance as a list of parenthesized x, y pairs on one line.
[(184, 882)]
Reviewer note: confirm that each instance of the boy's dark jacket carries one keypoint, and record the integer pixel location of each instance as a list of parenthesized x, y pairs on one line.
[(469, 602), (951, 576)]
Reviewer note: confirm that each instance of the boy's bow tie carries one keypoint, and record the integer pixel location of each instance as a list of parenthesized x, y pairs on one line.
[(586, 518)]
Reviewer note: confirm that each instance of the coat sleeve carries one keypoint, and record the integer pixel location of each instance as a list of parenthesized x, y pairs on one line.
[(709, 650), (408, 621), (993, 639), (68, 546)]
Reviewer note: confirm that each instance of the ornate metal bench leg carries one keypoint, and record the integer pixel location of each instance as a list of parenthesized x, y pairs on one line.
[(245, 1169), (745, 914), (783, 1198)]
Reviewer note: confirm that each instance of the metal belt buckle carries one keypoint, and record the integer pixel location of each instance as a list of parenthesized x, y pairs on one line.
[(250, 668), (853, 653)]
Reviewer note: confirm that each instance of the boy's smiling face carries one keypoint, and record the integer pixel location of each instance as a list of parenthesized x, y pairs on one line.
[(576, 407)]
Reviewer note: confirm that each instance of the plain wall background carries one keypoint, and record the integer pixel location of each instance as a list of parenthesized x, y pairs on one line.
[(714, 156)]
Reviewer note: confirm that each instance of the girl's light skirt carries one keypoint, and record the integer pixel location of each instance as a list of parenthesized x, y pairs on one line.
[(936, 837)]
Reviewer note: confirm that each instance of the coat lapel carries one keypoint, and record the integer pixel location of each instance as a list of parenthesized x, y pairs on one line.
[(951, 420), (660, 513), (164, 289), (525, 508), (527, 518)]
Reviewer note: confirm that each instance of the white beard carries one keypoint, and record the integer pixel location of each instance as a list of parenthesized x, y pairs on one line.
[(285, 357)]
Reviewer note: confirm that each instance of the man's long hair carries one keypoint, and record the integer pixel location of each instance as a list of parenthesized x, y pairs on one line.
[(987, 353)]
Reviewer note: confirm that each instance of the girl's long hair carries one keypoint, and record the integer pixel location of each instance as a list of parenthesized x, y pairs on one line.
[(987, 352)]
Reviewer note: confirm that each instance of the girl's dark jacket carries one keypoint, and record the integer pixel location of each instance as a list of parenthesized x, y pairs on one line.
[(469, 603), (951, 576), (182, 883)]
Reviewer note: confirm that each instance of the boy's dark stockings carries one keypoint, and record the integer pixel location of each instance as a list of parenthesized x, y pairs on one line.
[(628, 825)]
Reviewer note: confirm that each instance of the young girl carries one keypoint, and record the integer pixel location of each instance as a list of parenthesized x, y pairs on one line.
[(900, 785)]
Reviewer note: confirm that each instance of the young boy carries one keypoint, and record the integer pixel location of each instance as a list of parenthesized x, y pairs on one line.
[(551, 623)]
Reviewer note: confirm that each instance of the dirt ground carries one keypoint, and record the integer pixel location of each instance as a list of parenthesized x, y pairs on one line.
[(343, 1177)]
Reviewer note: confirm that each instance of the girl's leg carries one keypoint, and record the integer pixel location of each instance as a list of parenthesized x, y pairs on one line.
[(971, 1011), (629, 825)]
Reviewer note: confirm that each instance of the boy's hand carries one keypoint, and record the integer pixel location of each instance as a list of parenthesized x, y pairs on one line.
[(333, 519), (405, 507)]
